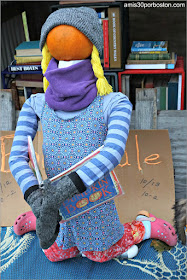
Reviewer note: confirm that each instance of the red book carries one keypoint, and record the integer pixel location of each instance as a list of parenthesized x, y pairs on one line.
[(106, 43)]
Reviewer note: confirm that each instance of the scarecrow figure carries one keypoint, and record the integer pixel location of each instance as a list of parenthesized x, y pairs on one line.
[(78, 113)]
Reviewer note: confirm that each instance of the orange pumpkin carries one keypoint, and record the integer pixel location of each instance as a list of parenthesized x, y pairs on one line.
[(68, 43)]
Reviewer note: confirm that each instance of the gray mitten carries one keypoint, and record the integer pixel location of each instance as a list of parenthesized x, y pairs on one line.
[(35, 197), (47, 210), (64, 188)]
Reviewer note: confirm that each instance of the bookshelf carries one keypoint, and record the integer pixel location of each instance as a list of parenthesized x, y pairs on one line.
[(179, 69)]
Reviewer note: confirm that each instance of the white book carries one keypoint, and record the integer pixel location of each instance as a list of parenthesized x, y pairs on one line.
[(149, 66)]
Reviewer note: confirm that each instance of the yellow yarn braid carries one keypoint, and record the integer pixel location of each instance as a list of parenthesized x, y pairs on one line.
[(45, 62), (102, 84)]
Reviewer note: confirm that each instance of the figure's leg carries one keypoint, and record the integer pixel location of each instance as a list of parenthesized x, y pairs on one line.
[(146, 226), (56, 254), (133, 234), (26, 222)]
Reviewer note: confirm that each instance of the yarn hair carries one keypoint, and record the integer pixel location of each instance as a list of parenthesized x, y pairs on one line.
[(103, 87)]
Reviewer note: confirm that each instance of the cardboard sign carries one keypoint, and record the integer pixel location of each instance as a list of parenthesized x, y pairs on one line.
[(145, 173)]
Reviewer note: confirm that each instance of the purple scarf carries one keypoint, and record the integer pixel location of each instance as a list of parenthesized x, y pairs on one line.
[(72, 88)]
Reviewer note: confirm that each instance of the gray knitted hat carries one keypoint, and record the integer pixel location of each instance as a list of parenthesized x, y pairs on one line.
[(84, 19)]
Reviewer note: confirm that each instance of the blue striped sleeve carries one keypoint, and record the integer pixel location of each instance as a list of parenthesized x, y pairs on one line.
[(19, 161), (118, 122)]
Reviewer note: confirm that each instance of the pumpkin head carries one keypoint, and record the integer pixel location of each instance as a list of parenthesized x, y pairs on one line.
[(66, 42)]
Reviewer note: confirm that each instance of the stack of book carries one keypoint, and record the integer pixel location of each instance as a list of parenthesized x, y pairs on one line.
[(28, 52), (27, 63), (28, 57), (150, 55)]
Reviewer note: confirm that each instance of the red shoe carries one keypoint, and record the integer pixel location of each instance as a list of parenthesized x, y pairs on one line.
[(160, 229), (24, 223)]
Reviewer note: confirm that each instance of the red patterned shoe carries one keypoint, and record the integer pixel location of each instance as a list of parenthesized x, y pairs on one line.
[(160, 229), (24, 223)]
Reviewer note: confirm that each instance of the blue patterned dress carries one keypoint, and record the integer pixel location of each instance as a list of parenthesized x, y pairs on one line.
[(65, 142)]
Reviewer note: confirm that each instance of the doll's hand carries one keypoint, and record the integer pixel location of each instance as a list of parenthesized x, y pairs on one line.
[(47, 219), (64, 188), (47, 205)]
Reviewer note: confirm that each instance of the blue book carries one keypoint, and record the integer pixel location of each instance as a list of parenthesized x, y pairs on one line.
[(28, 48), (13, 67), (173, 92), (102, 191), (149, 46)]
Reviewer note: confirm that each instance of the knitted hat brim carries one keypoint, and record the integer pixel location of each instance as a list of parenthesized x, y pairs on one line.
[(84, 19)]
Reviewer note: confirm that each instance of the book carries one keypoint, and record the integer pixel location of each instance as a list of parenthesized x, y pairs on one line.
[(101, 14), (31, 77), (14, 67), (102, 191), (162, 94), (29, 59), (29, 83), (149, 56), (173, 92), (148, 46), (148, 52), (151, 66), (155, 61), (115, 42), (106, 43), (28, 48)]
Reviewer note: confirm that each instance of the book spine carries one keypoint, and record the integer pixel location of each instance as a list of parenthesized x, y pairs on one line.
[(106, 43), (114, 37), (159, 56), (148, 49), (146, 66), (30, 83), (22, 68), (101, 14), (25, 59), (150, 52), (162, 98), (172, 95)]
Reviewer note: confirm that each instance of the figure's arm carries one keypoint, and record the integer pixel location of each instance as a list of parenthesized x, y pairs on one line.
[(118, 117), (19, 161)]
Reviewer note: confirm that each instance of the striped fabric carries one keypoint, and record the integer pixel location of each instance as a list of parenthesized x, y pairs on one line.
[(18, 160), (118, 128), (114, 145)]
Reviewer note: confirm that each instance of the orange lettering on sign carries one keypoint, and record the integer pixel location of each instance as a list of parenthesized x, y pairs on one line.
[(127, 161), (138, 153), (3, 153), (151, 158)]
